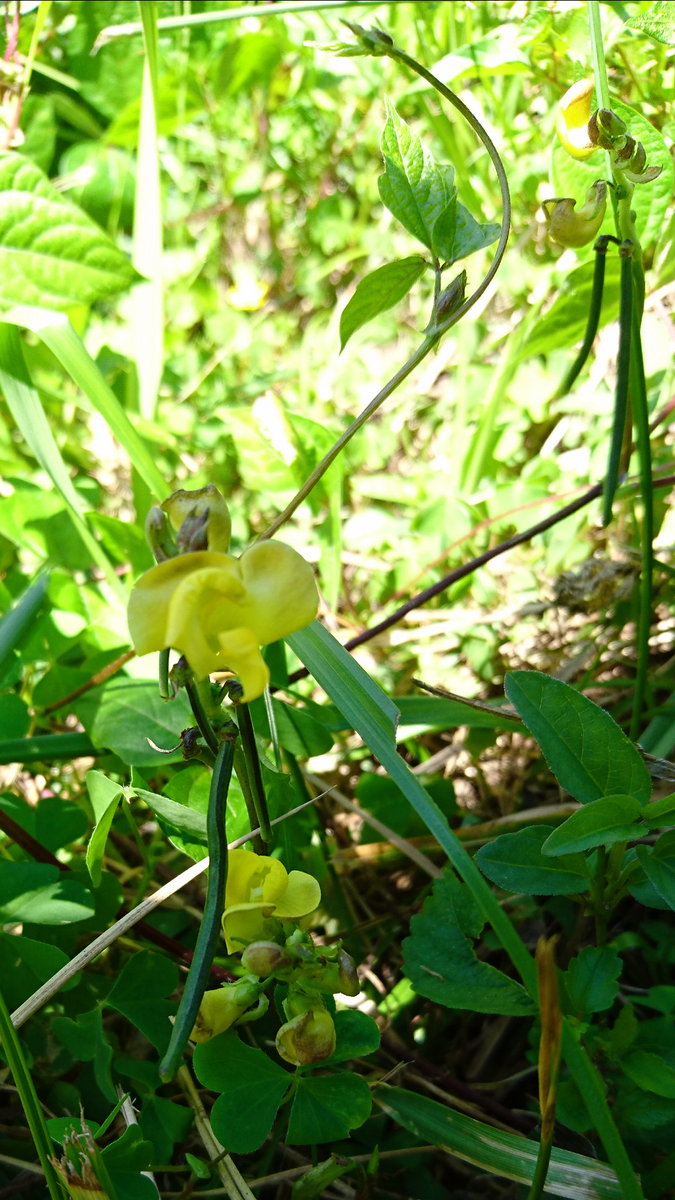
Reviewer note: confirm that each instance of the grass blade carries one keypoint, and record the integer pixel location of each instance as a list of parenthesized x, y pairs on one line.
[(148, 305)]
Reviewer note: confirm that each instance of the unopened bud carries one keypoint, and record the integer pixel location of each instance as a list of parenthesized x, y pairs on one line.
[(193, 533), (374, 41), (223, 1006), (572, 227), (264, 958), (451, 299), (349, 980), (610, 123), (638, 161), (183, 505), (627, 150), (158, 535), (307, 1039)]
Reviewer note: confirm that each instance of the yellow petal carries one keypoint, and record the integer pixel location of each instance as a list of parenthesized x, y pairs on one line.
[(217, 1011), (252, 878), (205, 601), (281, 595), (301, 897), (150, 599), (572, 118), (240, 652), (243, 924)]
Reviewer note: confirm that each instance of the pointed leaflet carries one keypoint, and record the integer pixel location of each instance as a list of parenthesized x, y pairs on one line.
[(601, 823), (515, 862), (51, 254), (414, 187), (440, 960), (104, 796), (588, 753), (377, 292)]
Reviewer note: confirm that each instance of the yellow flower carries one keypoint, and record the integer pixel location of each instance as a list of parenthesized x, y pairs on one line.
[(259, 887), (572, 119), (308, 1038), (218, 1010), (219, 610), (572, 227)]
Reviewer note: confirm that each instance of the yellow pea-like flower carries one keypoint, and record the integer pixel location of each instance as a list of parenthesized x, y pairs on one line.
[(259, 887), (574, 227), (572, 117), (219, 1010), (218, 610)]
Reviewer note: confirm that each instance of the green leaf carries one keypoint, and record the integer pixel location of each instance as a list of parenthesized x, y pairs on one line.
[(495, 1150), (588, 753), (419, 713), (571, 177), (129, 1153), (565, 321), (85, 1040), (43, 959), (356, 1035), (298, 729), (53, 822), (14, 716), (51, 254), (138, 993), (659, 866), (187, 822), (315, 1181), (650, 1072), (377, 292), (414, 187), (661, 812), (18, 620), (39, 893), (165, 1124), (123, 714), (457, 234), (591, 980), (104, 796), (515, 862), (440, 960), (59, 1127), (327, 1107), (253, 1088), (658, 22), (600, 823)]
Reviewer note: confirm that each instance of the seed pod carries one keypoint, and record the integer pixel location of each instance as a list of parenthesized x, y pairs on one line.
[(309, 1038), (349, 980), (264, 958)]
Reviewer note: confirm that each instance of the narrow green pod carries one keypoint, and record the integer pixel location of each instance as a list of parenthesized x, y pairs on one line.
[(622, 376)]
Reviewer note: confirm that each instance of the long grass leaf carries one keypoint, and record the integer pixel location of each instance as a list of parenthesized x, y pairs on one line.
[(148, 306)]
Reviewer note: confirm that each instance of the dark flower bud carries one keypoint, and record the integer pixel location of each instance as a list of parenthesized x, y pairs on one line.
[(627, 150), (451, 298), (158, 535), (349, 980), (610, 123), (308, 1038)]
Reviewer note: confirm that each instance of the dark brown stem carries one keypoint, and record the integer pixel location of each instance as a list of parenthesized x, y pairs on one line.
[(99, 677)]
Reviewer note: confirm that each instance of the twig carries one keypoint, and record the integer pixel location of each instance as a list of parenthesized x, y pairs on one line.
[(235, 1185), (99, 677)]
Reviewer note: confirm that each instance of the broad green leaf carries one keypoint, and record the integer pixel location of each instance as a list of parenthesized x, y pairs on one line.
[(129, 1153), (495, 1150), (650, 1072), (53, 822), (51, 254), (123, 714), (658, 22), (191, 824), (515, 862), (457, 234), (588, 753), (659, 866), (572, 177), (164, 1123), (43, 959), (85, 1040), (600, 823), (40, 894), (325, 1108), (139, 994), (414, 187), (377, 292), (565, 321), (105, 796), (591, 980), (661, 812), (440, 960), (356, 1034), (253, 1087)]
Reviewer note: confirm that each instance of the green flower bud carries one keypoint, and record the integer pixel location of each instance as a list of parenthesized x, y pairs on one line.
[(158, 535), (451, 298), (610, 123), (309, 1038), (573, 228), (264, 958), (627, 150), (349, 980), (208, 504)]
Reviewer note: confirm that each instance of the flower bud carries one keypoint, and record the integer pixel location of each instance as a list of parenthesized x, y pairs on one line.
[(264, 958), (309, 1038), (627, 150), (638, 161), (451, 298), (205, 502), (610, 123), (596, 135), (573, 228), (221, 1007), (572, 119), (349, 980), (158, 535)]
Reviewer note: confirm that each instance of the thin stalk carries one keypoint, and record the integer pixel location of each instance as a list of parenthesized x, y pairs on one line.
[(241, 771), (252, 757), (29, 1100), (598, 54), (209, 930), (269, 709), (164, 685), (595, 306), (541, 1169), (638, 389), (187, 21), (199, 713), (622, 379)]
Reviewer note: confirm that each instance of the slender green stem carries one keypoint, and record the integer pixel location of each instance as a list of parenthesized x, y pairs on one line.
[(598, 895), (164, 685), (269, 709), (598, 53), (209, 929), (201, 718), (622, 379), (28, 1096), (595, 307), (541, 1169), (241, 771), (250, 749), (638, 389)]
